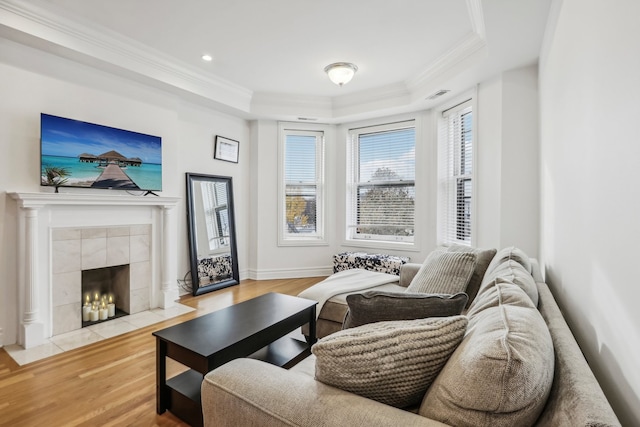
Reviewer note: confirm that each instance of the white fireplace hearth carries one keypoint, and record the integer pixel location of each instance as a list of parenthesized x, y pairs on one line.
[(61, 234)]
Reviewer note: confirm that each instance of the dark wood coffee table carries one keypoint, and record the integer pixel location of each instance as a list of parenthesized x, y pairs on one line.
[(255, 328)]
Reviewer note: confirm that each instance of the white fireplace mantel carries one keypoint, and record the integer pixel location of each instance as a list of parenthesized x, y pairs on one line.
[(38, 200), (38, 213)]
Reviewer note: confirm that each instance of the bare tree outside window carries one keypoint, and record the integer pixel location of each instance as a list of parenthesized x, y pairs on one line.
[(302, 186), (383, 195), (387, 206)]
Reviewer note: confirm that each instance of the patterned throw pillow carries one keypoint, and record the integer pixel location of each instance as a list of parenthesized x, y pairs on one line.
[(444, 273), (380, 306), (391, 362)]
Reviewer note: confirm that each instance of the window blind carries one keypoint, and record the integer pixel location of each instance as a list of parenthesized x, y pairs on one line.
[(383, 183), (303, 181), (456, 175)]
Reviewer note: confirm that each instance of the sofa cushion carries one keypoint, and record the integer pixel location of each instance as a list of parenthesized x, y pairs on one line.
[(513, 272), (510, 253), (501, 374), (391, 362), (483, 259), (379, 306), (444, 273)]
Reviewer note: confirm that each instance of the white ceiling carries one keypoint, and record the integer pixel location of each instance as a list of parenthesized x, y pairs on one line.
[(269, 55)]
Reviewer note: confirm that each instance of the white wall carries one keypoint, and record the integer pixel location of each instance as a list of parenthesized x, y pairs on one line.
[(590, 105), (268, 260), (507, 168), (32, 82)]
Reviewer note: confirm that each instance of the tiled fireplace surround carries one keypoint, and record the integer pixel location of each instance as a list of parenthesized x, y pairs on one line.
[(86, 248), (61, 234)]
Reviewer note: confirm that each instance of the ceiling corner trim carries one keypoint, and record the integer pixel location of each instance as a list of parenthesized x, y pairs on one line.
[(280, 105), (471, 44), (389, 93), (448, 61), (476, 16), (104, 46)]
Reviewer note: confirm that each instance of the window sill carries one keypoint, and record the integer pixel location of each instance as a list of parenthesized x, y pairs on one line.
[(381, 244), (300, 243)]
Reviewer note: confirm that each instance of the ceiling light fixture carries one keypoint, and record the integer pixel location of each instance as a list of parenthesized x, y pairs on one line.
[(206, 57), (340, 72)]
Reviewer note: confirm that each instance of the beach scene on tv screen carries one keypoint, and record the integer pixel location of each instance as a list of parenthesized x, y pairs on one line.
[(80, 154)]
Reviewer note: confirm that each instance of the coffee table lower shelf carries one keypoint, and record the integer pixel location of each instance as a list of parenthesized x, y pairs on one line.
[(184, 389)]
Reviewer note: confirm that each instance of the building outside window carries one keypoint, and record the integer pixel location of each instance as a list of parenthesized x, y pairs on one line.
[(216, 214), (381, 188)]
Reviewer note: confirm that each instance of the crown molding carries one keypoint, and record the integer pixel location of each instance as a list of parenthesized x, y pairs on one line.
[(279, 105), (476, 15), (108, 50), (381, 98), (462, 52), (100, 46), (288, 107), (448, 62)]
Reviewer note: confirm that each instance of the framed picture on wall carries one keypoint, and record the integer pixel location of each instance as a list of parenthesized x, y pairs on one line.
[(226, 149)]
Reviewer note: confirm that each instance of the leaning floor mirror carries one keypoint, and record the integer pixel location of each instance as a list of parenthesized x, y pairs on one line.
[(212, 241)]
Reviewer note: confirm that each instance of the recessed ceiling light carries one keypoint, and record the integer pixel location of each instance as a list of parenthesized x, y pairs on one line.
[(207, 57)]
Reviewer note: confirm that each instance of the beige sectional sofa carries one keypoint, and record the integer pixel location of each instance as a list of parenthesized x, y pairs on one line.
[(517, 364)]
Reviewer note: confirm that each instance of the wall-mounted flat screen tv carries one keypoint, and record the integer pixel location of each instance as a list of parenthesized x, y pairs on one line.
[(80, 154)]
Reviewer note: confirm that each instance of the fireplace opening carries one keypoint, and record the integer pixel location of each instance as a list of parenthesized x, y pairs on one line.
[(105, 294)]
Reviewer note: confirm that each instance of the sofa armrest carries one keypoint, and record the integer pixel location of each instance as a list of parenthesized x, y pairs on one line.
[(576, 398), (407, 272), (247, 392)]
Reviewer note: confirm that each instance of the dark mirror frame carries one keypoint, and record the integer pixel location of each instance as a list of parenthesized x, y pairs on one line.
[(192, 178)]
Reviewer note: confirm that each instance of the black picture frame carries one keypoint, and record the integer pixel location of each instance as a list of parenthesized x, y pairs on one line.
[(226, 149)]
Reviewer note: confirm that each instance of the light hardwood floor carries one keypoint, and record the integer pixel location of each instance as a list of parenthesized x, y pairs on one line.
[(112, 382)]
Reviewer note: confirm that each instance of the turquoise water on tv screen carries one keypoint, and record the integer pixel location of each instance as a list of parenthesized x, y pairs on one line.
[(148, 176)]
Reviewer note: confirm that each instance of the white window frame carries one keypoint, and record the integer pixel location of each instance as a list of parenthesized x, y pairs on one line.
[(218, 242), (318, 238), (375, 241), (449, 176)]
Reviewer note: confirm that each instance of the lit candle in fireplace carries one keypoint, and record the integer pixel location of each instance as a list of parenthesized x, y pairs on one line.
[(94, 314), (111, 307), (86, 309), (103, 311)]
